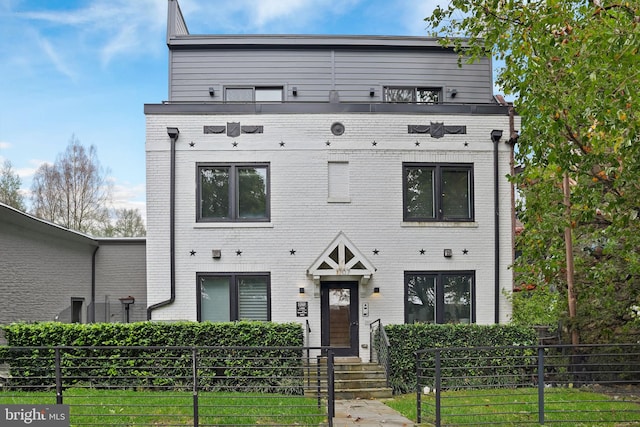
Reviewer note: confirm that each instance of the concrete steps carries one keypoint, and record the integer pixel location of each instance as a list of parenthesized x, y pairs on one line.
[(355, 380)]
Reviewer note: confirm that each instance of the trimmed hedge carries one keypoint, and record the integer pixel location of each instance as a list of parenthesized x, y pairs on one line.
[(105, 354), (405, 340)]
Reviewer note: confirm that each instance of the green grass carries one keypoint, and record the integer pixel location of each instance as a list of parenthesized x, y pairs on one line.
[(169, 408), (516, 407)]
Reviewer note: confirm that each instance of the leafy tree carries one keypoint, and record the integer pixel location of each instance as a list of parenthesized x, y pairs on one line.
[(10, 187), (128, 223), (73, 192), (573, 67)]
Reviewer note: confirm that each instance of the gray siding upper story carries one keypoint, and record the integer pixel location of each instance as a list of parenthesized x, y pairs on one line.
[(316, 66)]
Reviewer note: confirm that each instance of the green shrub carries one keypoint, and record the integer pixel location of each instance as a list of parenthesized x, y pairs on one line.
[(405, 340)]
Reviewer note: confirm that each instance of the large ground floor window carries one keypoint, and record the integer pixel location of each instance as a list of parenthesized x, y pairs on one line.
[(439, 297), (226, 297)]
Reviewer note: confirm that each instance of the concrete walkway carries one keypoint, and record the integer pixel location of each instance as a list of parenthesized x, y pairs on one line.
[(367, 413)]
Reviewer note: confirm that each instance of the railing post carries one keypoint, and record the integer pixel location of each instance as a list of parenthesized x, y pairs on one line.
[(331, 403), (540, 385), (418, 391), (58, 359), (194, 367), (438, 378)]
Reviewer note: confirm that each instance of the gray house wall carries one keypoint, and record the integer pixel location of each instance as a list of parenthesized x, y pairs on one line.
[(42, 267)]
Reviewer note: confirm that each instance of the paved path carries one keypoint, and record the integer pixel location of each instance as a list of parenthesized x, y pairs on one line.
[(367, 413)]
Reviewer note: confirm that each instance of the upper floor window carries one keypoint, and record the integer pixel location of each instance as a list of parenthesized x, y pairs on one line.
[(439, 297), (233, 192), (228, 297), (438, 192), (419, 95), (253, 94)]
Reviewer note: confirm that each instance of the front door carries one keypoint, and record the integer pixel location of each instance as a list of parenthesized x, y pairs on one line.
[(339, 317)]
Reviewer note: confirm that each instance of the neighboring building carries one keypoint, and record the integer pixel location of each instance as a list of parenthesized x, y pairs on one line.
[(48, 272), (334, 180)]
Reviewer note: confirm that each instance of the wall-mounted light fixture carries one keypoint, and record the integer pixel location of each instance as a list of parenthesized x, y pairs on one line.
[(376, 290), (212, 92), (453, 93), (294, 91), (216, 253), (448, 253), (301, 290), (372, 92)]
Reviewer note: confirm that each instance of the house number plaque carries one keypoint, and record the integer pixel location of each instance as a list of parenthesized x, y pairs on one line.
[(302, 308)]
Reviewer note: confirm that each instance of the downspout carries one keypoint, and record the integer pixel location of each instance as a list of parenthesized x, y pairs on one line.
[(173, 135), (495, 137), (92, 312)]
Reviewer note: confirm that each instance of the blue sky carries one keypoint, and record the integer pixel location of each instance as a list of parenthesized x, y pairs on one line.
[(87, 67)]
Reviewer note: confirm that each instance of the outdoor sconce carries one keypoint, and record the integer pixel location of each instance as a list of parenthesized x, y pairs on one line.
[(216, 253), (372, 92), (173, 133), (376, 290), (301, 290), (448, 253), (453, 93), (127, 301), (212, 92), (496, 135), (294, 91)]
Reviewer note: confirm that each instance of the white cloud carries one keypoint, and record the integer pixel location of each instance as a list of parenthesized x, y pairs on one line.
[(4, 145), (129, 196), (59, 63)]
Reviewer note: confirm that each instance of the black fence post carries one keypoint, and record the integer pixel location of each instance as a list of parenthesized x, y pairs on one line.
[(437, 387), (58, 362), (540, 385), (194, 366), (418, 390), (331, 403)]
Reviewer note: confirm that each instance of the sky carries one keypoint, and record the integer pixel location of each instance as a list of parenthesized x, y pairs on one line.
[(85, 68)]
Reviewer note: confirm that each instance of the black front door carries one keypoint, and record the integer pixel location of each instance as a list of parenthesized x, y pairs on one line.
[(339, 317)]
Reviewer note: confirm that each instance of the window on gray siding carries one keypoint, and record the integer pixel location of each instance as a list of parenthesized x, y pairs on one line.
[(440, 297), (233, 192), (416, 95), (228, 297), (253, 94), (438, 192)]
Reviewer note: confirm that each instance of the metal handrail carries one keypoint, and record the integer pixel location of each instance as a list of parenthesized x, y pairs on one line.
[(379, 351)]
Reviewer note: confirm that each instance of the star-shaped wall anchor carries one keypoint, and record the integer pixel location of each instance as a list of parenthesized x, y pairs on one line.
[(376, 252), (374, 143), (422, 251), (465, 251), (235, 144), (417, 143), (328, 143), (192, 144), (238, 252), (192, 253), (281, 143), (292, 251)]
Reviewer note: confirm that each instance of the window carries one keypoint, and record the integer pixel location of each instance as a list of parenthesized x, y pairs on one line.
[(439, 297), (416, 95), (228, 297), (253, 94), (339, 182), (235, 192), (438, 192)]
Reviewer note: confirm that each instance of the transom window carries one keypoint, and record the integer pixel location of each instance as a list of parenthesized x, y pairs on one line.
[(438, 192), (439, 297), (253, 94), (228, 297), (416, 95), (233, 192)]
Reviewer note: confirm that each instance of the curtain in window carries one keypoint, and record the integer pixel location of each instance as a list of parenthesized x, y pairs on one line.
[(214, 299), (252, 298)]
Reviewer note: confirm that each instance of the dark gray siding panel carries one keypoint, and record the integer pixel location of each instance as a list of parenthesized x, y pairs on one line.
[(315, 72)]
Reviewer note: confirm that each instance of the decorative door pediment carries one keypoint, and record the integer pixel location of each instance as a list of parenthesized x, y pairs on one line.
[(341, 258)]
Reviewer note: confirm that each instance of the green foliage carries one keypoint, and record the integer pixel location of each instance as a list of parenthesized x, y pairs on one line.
[(572, 66), (406, 339), (234, 354), (539, 307)]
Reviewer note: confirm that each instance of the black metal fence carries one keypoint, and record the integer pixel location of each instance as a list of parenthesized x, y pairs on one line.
[(174, 386), (586, 385), (379, 352)]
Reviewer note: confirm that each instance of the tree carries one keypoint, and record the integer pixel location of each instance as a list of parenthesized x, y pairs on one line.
[(573, 67), (129, 223), (73, 192), (10, 187)]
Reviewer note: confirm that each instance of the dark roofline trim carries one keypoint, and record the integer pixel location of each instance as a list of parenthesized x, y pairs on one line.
[(324, 108), (105, 241)]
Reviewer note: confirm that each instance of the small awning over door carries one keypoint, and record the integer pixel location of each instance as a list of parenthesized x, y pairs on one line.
[(341, 259)]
